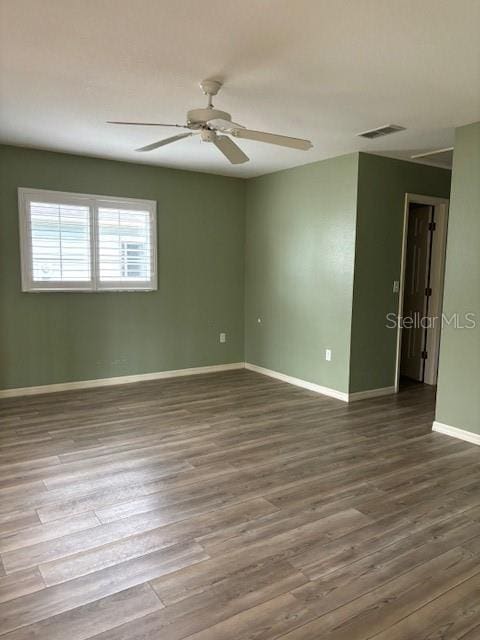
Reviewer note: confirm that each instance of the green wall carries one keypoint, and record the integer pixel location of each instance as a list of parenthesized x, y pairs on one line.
[(299, 270), (458, 397), (382, 184), (57, 337), (311, 251)]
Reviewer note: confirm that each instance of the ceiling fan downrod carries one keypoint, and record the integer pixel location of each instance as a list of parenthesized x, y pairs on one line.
[(210, 88)]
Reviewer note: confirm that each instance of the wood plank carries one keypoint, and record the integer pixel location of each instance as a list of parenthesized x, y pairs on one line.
[(289, 536), (42, 552), (45, 532), (85, 497), (51, 601), (215, 602), (20, 584), (149, 541), (453, 615), (386, 605), (17, 520), (93, 618), (274, 618), (353, 579)]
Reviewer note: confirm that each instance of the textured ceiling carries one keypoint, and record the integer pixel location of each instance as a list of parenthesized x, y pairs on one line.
[(319, 69)]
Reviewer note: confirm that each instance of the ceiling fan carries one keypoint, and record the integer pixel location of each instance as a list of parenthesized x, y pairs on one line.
[(209, 123)]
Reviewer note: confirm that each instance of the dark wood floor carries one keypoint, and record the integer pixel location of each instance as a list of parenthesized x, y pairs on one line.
[(232, 506)]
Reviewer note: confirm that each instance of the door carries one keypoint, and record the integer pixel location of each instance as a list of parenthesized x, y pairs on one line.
[(415, 304)]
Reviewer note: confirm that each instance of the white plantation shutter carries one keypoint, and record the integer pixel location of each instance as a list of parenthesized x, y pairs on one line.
[(60, 242), (73, 242), (124, 246)]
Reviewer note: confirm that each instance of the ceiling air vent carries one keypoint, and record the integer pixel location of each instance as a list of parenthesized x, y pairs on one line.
[(381, 131)]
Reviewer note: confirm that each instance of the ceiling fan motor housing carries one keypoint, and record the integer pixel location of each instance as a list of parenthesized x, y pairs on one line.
[(199, 117)]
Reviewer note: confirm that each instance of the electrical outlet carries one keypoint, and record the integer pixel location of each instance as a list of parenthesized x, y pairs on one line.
[(223, 337), (328, 355), (396, 286)]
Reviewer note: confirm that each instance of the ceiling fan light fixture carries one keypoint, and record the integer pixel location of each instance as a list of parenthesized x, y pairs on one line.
[(207, 135)]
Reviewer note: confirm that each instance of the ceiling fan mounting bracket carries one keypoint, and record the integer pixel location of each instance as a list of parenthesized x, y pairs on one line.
[(210, 87)]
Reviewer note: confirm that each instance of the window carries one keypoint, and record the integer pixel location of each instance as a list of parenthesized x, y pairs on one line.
[(76, 242)]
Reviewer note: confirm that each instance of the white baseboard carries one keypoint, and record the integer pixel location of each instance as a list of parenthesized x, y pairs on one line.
[(107, 382), (455, 432), (371, 393), (298, 382), (174, 373)]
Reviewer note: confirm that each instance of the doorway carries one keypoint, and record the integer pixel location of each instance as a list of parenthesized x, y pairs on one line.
[(421, 289)]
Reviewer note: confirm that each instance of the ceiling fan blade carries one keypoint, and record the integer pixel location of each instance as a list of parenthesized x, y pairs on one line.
[(162, 143), (273, 138), (230, 150), (147, 124), (224, 125)]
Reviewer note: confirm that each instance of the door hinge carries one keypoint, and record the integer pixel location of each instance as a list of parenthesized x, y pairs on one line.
[(424, 355), (432, 226), (428, 291)]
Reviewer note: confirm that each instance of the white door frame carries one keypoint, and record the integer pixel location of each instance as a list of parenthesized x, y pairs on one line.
[(438, 268)]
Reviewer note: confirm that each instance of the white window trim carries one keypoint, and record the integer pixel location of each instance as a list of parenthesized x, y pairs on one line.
[(27, 195)]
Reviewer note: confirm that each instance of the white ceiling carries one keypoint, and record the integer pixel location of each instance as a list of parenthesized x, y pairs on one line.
[(319, 69)]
